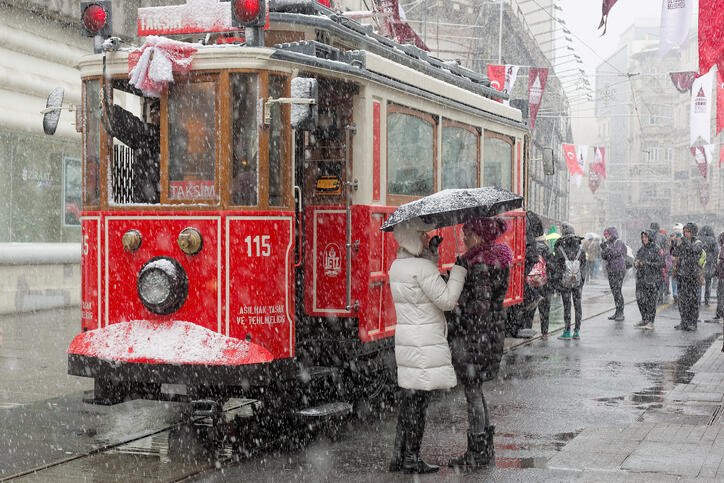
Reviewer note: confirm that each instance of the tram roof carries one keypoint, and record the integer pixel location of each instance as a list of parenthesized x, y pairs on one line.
[(357, 52)]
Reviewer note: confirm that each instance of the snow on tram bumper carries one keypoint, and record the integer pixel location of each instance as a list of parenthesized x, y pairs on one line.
[(168, 352)]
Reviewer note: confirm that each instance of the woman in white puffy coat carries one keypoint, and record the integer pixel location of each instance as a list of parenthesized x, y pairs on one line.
[(423, 356)]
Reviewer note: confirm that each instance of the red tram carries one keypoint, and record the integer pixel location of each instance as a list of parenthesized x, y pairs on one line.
[(257, 262)]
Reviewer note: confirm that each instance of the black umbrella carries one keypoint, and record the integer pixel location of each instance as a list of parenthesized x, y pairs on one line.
[(455, 206)]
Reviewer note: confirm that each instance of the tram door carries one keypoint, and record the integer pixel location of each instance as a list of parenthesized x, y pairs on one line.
[(323, 161)]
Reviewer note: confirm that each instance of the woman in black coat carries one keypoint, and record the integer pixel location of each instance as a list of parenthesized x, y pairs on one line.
[(649, 263), (476, 330)]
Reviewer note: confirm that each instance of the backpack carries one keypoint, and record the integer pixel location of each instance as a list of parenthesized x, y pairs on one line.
[(537, 276), (572, 275)]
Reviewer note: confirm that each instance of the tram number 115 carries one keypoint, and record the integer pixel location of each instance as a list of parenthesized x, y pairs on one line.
[(261, 245)]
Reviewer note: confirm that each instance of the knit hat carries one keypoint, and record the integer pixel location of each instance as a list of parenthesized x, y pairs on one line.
[(487, 228), (678, 228)]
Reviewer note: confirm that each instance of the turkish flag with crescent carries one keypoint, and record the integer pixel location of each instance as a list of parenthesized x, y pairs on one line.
[(496, 74), (569, 151), (711, 33)]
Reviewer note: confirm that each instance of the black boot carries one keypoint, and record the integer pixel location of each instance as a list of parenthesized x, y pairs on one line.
[(618, 316), (480, 453), (412, 463), (398, 450)]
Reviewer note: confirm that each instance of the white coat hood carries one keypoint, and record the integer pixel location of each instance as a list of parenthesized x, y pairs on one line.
[(408, 232)]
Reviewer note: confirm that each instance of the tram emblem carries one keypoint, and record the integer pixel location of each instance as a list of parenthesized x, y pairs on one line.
[(332, 260)]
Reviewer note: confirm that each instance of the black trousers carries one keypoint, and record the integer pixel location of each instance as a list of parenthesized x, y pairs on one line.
[(411, 419), (688, 300), (646, 297), (615, 281), (720, 298), (566, 295), (707, 290)]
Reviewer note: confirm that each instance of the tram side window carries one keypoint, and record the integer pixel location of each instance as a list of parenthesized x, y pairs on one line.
[(245, 164), (498, 161), (277, 141), (410, 154), (92, 131), (192, 141), (460, 148)]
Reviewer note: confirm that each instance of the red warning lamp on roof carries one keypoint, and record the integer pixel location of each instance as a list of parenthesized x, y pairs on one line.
[(95, 18), (248, 13)]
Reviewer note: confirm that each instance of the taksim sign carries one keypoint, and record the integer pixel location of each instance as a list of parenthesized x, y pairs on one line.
[(196, 16)]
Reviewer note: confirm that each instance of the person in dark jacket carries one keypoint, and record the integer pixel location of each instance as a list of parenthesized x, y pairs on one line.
[(569, 249), (649, 264), (688, 250), (476, 331), (144, 139), (660, 240), (711, 247), (719, 273), (613, 251)]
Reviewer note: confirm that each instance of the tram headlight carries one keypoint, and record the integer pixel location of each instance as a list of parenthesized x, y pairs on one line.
[(162, 285), (190, 241)]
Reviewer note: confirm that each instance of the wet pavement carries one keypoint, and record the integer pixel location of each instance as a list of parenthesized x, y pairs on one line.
[(557, 405)]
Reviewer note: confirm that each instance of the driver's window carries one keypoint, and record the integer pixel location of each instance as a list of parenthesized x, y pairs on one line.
[(192, 141)]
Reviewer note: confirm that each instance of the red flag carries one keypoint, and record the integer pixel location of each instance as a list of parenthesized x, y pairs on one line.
[(569, 151), (682, 80), (711, 33), (605, 8), (496, 74), (700, 157), (536, 85), (599, 161), (719, 102)]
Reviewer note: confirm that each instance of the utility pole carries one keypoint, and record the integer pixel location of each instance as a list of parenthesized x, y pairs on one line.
[(500, 35)]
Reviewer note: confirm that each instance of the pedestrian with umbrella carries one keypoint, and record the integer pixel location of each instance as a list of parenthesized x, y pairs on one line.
[(477, 331), (421, 350)]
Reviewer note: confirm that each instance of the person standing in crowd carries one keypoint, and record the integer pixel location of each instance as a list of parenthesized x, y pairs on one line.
[(649, 263), (676, 234), (688, 250), (660, 241), (422, 353), (477, 331), (719, 272), (613, 252), (569, 282), (593, 254), (545, 291), (711, 247)]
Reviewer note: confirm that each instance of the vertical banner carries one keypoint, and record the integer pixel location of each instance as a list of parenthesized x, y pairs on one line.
[(537, 78), (682, 80), (675, 19), (594, 181), (711, 33), (599, 161), (703, 156), (719, 101), (605, 8), (569, 152), (511, 72), (700, 112), (496, 74), (581, 151)]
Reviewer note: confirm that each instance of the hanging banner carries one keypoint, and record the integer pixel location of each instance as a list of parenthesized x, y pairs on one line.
[(536, 85), (682, 80), (496, 74), (605, 8), (700, 112), (581, 151), (719, 101), (594, 181), (675, 19), (599, 161), (711, 33), (703, 156), (511, 72), (569, 152)]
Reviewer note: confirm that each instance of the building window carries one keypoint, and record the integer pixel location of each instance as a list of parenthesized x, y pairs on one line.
[(651, 152), (668, 154)]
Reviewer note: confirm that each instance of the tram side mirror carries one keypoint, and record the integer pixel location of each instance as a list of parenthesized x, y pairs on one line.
[(304, 116), (549, 166), (51, 113)]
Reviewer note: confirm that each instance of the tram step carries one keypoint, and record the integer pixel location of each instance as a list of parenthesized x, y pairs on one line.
[(333, 409)]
